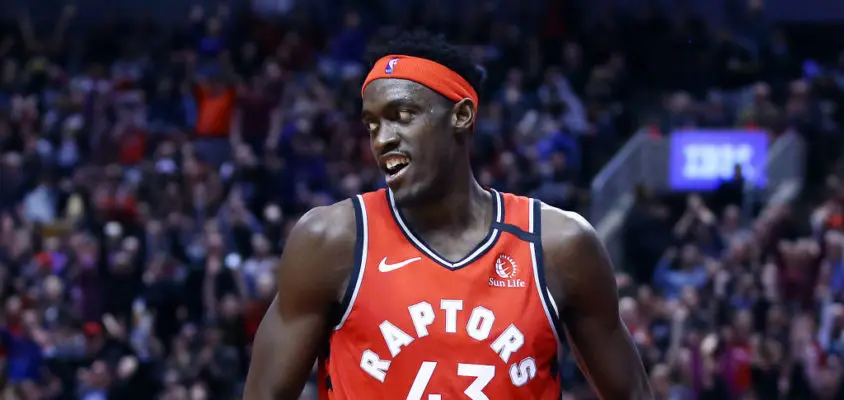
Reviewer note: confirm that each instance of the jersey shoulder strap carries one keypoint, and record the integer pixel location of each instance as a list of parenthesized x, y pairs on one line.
[(520, 217), (369, 212)]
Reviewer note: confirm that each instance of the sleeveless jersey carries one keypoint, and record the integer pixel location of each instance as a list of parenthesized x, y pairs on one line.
[(417, 326)]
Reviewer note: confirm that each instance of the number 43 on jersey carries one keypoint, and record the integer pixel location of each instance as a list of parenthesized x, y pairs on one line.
[(483, 374)]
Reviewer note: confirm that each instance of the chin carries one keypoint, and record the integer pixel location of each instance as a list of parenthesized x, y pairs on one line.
[(419, 189), (410, 195)]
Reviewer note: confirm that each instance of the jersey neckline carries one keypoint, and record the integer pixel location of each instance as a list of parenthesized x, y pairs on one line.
[(477, 252)]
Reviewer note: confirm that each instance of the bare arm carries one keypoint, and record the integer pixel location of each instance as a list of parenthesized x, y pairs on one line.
[(27, 32), (580, 271), (681, 228), (311, 275), (60, 29), (276, 126)]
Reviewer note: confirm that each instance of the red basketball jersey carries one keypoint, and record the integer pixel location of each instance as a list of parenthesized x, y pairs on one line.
[(417, 326)]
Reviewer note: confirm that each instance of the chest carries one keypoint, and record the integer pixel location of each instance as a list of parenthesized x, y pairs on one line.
[(412, 313), (406, 294)]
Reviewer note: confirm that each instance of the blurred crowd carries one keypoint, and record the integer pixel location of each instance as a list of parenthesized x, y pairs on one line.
[(149, 175), (737, 310), (728, 298)]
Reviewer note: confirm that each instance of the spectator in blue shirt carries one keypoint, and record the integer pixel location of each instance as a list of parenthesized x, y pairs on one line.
[(689, 271)]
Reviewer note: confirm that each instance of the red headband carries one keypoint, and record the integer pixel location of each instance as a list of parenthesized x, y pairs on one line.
[(435, 76)]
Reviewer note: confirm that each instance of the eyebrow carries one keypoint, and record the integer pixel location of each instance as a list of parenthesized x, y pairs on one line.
[(394, 104)]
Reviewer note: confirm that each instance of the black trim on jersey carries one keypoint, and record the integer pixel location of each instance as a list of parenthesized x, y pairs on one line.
[(540, 265), (487, 243), (555, 368), (520, 233), (536, 206), (353, 276)]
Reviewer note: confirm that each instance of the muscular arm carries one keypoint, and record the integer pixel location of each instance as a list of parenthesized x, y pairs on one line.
[(311, 274), (581, 278)]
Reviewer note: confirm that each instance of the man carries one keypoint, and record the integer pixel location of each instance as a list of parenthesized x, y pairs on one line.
[(437, 288), (216, 99)]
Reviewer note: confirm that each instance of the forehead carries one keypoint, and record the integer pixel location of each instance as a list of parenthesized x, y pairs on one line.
[(382, 93)]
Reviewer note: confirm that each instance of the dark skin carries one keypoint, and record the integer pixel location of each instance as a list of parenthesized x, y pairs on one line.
[(451, 211)]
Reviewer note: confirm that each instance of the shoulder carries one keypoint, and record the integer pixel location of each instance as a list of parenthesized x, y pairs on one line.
[(333, 226), (320, 251), (327, 222), (575, 261), (562, 229)]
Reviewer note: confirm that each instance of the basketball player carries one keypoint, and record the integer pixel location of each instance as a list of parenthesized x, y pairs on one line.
[(438, 288)]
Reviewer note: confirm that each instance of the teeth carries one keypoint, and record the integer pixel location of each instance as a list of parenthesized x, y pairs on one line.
[(396, 163)]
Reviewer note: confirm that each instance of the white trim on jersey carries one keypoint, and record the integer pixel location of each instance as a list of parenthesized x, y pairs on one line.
[(364, 232), (420, 244), (536, 267)]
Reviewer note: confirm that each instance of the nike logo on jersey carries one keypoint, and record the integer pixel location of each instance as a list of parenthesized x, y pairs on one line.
[(385, 267)]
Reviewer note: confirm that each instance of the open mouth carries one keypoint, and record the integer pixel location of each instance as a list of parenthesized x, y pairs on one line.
[(394, 166)]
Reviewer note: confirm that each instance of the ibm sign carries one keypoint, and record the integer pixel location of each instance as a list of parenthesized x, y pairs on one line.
[(702, 159)]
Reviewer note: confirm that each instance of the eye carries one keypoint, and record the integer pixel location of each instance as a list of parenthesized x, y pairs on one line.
[(371, 126), (405, 116)]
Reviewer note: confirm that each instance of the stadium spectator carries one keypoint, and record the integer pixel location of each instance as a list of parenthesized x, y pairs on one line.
[(149, 176)]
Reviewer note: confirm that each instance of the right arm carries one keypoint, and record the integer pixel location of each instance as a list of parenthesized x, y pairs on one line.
[(311, 275)]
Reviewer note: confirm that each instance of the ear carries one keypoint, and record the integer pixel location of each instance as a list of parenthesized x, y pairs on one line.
[(463, 115)]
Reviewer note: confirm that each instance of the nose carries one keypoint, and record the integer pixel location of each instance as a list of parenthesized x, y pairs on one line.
[(386, 139)]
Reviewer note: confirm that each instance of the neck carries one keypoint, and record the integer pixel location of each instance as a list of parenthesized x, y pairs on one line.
[(464, 204)]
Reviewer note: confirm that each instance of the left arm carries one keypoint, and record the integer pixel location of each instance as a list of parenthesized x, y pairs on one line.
[(581, 278)]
